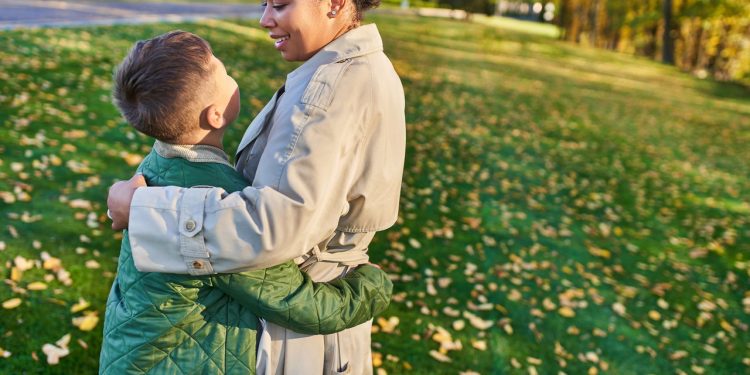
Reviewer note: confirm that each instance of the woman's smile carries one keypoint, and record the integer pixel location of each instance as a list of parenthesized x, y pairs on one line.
[(280, 40)]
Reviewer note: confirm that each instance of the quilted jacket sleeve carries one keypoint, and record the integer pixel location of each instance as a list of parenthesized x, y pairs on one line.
[(288, 297)]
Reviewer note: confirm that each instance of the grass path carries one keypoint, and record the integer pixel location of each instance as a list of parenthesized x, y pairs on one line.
[(563, 209)]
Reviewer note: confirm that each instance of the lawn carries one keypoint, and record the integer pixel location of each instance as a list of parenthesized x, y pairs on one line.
[(563, 209)]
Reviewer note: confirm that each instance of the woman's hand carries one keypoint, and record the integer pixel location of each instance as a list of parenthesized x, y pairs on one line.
[(119, 198)]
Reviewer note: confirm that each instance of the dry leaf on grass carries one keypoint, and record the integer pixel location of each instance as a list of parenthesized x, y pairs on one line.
[(57, 351), (566, 312), (87, 322), (619, 308), (131, 159), (440, 357), (81, 204), (12, 303), (479, 345), (80, 306), (459, 324), (23, 264), (478, 322), (37, 285), (389, 325)]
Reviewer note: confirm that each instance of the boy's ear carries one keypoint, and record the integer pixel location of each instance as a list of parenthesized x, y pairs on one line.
[(214, 116)]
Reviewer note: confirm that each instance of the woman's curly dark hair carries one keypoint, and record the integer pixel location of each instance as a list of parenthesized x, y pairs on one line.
[(364, 5)]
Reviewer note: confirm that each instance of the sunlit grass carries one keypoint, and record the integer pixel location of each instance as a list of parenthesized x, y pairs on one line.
[(591, 208)]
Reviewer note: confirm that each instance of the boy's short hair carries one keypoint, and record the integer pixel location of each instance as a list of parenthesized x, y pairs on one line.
[(159, 84)]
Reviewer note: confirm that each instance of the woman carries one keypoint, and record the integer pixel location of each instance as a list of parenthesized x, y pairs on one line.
[(326, 158)]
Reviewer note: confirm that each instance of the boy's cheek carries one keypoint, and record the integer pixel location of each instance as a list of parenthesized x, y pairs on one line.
[(234, 104)]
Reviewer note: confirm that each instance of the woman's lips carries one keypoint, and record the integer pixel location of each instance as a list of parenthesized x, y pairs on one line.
[(280, 41)]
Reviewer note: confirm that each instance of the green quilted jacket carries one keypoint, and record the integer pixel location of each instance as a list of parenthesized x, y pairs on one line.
[(179, 324)]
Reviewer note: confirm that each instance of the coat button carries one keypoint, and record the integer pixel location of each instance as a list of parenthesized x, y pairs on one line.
[(189, 225), (197, 264)]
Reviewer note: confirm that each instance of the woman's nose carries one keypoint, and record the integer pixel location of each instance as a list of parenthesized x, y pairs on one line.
[(266, 20)]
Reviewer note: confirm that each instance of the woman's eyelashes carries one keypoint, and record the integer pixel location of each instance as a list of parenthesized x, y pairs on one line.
[(274, 6)]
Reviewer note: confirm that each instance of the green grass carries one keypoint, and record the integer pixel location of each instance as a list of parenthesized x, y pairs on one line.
[(539, 175)]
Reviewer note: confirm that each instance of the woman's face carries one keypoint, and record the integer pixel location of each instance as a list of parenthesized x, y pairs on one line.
[(301, 27)]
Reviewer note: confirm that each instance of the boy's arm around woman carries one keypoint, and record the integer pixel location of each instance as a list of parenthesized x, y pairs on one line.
[(288, 297)]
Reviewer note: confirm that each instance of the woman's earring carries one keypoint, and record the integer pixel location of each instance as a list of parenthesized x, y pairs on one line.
[(333, 12)]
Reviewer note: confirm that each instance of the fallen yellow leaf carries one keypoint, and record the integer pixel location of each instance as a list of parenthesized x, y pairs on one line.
[(479, 345), (389, 325), (12, 303), (727, 326), (440, 357), (131, 159), (680, 354), (414, 243), (52, 263), (15, 274), (23, 264), (601, 253), (86, 322), (81, 204), (37, 285), (459, 324), (80, 306), (566, 312), (478, 322), (377, 359)]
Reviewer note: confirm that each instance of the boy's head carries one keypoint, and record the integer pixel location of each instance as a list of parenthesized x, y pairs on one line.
[(174, 89)]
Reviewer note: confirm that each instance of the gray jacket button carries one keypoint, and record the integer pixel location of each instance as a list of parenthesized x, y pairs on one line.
[(189, 225)]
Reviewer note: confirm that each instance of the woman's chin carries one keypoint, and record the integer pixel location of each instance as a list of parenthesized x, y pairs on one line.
[(288, 56)]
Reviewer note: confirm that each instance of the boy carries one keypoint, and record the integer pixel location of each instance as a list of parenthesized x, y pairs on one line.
[(173, 89)]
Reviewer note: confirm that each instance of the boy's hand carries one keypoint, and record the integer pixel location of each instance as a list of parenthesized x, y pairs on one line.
[(119, 198)]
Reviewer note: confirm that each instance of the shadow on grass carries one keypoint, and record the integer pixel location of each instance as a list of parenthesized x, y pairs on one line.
[(728, 90)]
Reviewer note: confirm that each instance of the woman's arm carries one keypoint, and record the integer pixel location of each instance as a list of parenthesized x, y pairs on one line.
[(287, 296)]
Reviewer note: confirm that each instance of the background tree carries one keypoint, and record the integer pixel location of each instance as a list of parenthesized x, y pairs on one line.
[(707, 37), (471, 6), (668, 37)]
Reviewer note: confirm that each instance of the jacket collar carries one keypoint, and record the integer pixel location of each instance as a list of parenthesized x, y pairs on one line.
[(193, 153), (357, 42)]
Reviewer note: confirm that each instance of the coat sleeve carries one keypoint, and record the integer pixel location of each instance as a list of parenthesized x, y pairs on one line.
[(296, 203), (288, 297)]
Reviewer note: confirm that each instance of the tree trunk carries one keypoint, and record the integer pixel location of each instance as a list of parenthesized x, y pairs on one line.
[(667, 52), (697, 42), (594, 12)]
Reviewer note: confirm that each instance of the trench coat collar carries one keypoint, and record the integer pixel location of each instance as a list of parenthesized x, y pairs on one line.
[(357, 42)]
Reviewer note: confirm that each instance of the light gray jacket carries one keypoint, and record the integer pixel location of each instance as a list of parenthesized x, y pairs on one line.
[(327, 179)]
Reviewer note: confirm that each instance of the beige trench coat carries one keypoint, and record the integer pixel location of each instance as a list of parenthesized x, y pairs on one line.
[(325, 160)]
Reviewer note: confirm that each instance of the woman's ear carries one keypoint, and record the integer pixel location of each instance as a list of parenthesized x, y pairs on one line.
[(214, 116), (337, 6)]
